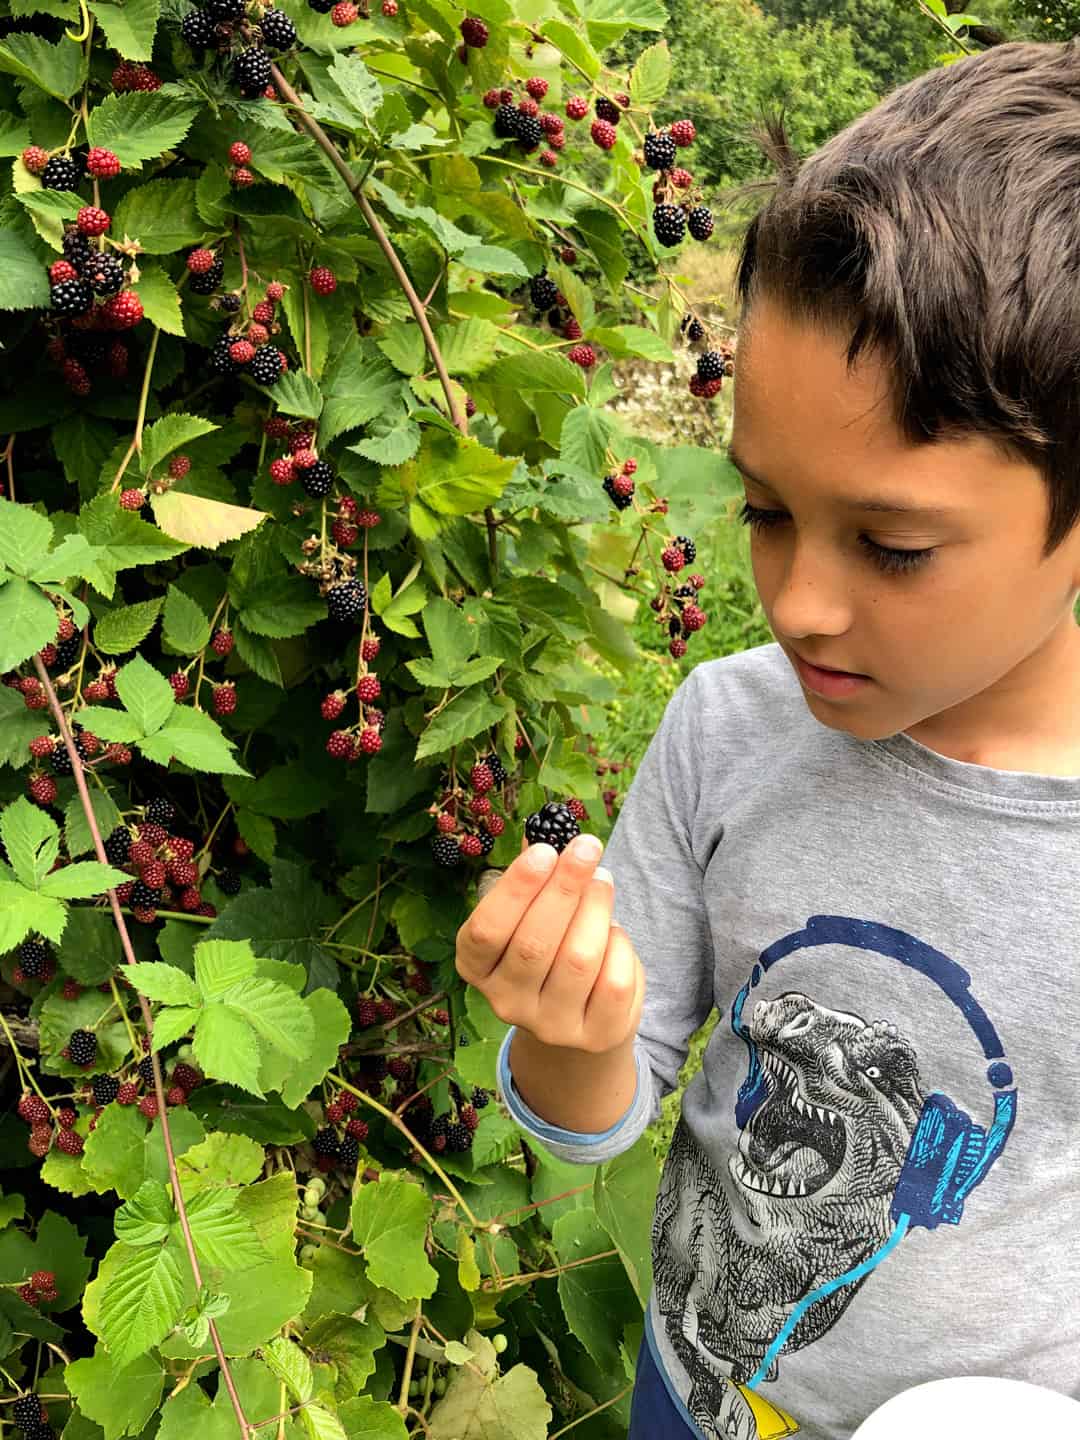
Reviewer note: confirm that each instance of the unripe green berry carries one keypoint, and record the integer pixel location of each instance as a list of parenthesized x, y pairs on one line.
[(311, 1212), (499, 1342), (186, 1052), (318, 1184), (308, 1253), (313, 1196), (415, 1387), (440, 1386)]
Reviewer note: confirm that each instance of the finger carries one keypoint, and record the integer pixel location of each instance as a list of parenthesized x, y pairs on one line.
[(616, 1000), (525, 963), (580, 958), (489, 929)]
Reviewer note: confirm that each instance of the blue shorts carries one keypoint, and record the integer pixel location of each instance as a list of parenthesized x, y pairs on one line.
[(653, 1415)]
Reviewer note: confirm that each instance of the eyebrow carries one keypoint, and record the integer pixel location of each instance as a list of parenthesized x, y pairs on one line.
[(886, 504)]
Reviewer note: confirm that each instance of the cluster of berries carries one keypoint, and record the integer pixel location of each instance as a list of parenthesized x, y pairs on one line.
[(334, 1148), (88, 304), (447, 1133), (678, 611), (37, 1114), (245, 345), (134, 498), (672, 216), (713, 366), (520, 118), (458, 837), (619, 487), (32, 1419), (364, 737), (215, 25), (162, 864), (240, 158), (546, 297)]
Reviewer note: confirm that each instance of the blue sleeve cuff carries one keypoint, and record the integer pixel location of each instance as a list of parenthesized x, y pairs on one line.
[(554, 1136)]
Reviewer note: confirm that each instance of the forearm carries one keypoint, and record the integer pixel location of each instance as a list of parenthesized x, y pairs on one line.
[(573, 1089)]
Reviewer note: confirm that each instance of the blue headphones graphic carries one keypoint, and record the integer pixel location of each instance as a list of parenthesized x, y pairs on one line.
[(949, 1153)]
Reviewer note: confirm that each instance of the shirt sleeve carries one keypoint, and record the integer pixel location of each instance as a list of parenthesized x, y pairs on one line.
[(659, 902)]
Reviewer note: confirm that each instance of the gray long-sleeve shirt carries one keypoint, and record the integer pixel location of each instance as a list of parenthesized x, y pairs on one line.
[(875, 1178)]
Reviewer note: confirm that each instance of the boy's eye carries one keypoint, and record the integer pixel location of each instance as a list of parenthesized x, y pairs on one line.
[(891, 561)]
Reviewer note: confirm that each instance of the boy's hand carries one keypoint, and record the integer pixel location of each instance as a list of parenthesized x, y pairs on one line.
[(542, 947)]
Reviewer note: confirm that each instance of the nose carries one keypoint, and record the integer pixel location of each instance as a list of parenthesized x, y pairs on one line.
[(810, 595)]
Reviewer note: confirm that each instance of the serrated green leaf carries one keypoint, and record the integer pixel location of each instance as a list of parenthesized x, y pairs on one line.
[(467, 715), (389, 1223), (141, 1303), (173, 1024), (119, 1409), (146, 695), (18, 726), (221, 1159), (14, 135), (272, 1011), (122, 629), (77, 835), (27, 622), (191, 737), (160, 214), (160, 299), (584, 438), (357, 387), (283, 606), (129, 27), (23, 911), (58, 69), (296, 393), (291, 1366), (492, 260), (139, 125), (31, 839), (574, 46), (24, 281), (353, 89), (146, 1218), (185, 626), (226, 1048), (331, 1027), (25, 537), (651, 74), (455, 474), (171, 433), (109, 724), (469, 346), (320, 1424), (221, 964), (222, 1236), (82, 880), (390, 445), (164, 983)]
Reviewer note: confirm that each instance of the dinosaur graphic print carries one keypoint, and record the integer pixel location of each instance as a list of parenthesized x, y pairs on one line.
[(814, 1173)]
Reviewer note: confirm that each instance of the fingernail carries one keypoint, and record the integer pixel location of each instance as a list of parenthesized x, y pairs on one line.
[(541, 857), (587, 848), (601, 873)]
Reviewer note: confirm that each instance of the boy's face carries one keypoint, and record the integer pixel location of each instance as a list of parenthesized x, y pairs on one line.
[(974, 651)]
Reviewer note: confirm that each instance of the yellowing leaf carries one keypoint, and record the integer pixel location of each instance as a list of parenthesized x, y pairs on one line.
[(202, 522)]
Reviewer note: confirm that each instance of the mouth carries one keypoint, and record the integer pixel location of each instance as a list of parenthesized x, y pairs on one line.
[(791, 1148), (829, 669)]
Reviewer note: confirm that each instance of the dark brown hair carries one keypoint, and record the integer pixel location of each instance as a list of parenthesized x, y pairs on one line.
[(941, 230)]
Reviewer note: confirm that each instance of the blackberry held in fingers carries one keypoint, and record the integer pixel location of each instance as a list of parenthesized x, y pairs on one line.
[(552, 824)]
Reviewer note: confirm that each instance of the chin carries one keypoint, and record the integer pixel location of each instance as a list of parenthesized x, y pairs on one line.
[(860, 727)]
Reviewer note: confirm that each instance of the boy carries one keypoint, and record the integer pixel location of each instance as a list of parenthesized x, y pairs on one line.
[(870, 871)]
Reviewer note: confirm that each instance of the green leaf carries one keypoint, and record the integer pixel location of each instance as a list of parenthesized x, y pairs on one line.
[(291, 1366), (467, 715), (296, 393), (353, 90), (272, 1011), (185, 626), (331, 1028), (129, 27), (139, 125), (31, 839), (171, 433), (357, 387), (391, 444), (221, 964), (492, 260), (121, 630), (197, 520), (160, 299), (147, 1217), (282, 606), (24, 281), (25, 537), (544, 372), (160, 214), (389, 1223), (146, 695), (164, 983), (82, 880), (90, 951), (191, 737), (77, 835), (481, 1402), (14, 135), (280, 922), (27, 622), (18, 726), (121, 540), (320, 1424), (624, 1192), (455, 474), (120, 1409), (57, 69), (173, 1024), (585, 436), (574, 46), (142, 1301), (597, 1298), (222, 1236), (622, 340), (109, 724), (651, 74), (22, 911), (220, 1160), (468, 346), (226, 1048)]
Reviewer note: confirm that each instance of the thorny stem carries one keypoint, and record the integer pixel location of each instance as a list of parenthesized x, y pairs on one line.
[(129, 957), (410, 1356), (545, 1274)]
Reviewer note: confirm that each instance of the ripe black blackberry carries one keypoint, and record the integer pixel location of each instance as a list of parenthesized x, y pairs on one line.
[(60, 760), (700, 222), (71, 297), (458, 1137), (77, 247), (669, 224), (621, 502), (346, 601), (105, 1088), (104, 273), (40, 1431), (317, 481), (495, 765), (222, 10), (322, 7), (326, 1142), (710, 365), (209, 280), (251, 72), (117, 845), (659, 150), (90, 348), (197, 30), (61, 173), (34, 959), (143, 897), (160, 811), (231, 302), (552, 824), (67, 652), (220, 359), (508, 120), (348, 1150), (265, 367), (439, 1126), (278, 31), (607, 110), (445, 850), (487, 842), (480, 1097), (228, 882), (146, 1072), (26, 1411), (529, 132), (687, 546), (543, 291), (695, 330), (82, 1047)]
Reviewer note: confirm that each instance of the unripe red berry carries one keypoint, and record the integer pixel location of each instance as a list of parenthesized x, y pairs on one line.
[(370, 741), (282, 471), (474, 32), (333, 705), (224, 697), (568, 255), (239, 152), (131, 499), (149, 1106), (368, 688), (683, 132), (102, 164), (343, 13), (549, 158), (323, 280), (572, 329), (681, 179), (242, 351), (275, 291), (340, 745), (61, 270), (583, 355), (577, 107), (344, 534), (242, 177), (124, 310), (537, 86), (603, 133), (92, 221), (222, 643), (257, 334), (389, 8), (199, 261), (179, 682), (529, 107), (369, 648), (492, 99), (35, 159)]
